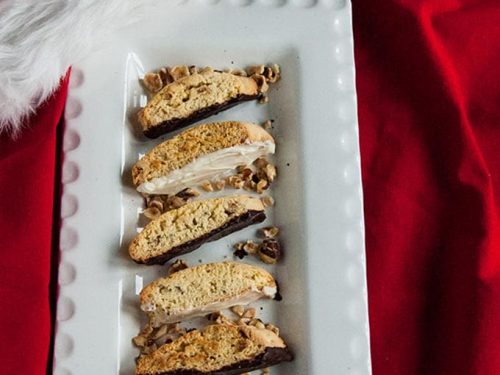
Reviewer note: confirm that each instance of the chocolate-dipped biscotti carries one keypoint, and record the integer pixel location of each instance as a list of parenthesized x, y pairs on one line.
[(184, 229), (217, 349), (193, 98), (199, 154), (204, 289)]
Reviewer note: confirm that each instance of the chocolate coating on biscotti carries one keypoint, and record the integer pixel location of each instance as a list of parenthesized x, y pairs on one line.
[(179, 123), (270, 357), (240, 222)]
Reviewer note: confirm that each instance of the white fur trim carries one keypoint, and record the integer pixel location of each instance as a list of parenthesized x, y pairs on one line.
[(39, 40)]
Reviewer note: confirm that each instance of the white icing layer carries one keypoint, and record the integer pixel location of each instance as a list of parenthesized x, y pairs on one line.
[(218, 164), (159, 317)]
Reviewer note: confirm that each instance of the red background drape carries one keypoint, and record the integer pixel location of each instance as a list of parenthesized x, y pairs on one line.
[(429, 114)]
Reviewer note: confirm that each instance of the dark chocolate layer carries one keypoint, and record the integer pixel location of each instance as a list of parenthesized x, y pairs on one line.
[(177, 123), (248, 218), (270, 357)]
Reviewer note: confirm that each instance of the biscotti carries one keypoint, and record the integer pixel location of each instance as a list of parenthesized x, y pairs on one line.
[(184, 229), (218, 349), (207, 288), (193, 98), (199, 154)]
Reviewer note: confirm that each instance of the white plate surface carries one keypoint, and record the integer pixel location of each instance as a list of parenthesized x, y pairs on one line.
[(323, 315)]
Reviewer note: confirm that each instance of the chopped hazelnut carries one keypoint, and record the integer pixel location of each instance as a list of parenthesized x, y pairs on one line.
[(140, 341), (258, 324), (219, 185), (235, 182), (250, 247), (153, 82), (261, 186), (160, 332), (267, 125), (176, 202), (188, 193), (270, 172), (250, 313), (255, 69), (273, 328), (179, 71), (246, 174), (165, 76), (263, 99), (249, 185), (261, 82), (261, 163), (270, 251), (207, 186), (243, 321), (269, 232), (238, 310), (149, 349), (156, 201), (267, 201), (240, 253), (152, 213)]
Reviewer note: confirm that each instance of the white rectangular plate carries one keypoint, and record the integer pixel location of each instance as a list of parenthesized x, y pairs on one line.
[(323, 315)]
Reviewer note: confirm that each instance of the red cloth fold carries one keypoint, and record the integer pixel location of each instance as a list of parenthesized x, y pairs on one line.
[(428, 95), (27, 183), (429, 112)]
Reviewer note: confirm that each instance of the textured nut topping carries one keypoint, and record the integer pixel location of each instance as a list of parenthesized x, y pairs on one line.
[(238, 310), (270, 172), (261, 82), (270, 251), (235, 181), (256, 69), (218, 185), (179, 71), (263, 99), (267, 125), (269, 232), (250, 247), (267, 201), (152, 213), (153, 82), (207, 186), (261, 186), (250, 313), (273, 328)]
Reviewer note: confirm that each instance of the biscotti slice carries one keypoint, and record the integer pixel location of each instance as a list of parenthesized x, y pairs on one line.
[(218, 349), (184, 229), (193, 98), (204, 289), (199, 154)]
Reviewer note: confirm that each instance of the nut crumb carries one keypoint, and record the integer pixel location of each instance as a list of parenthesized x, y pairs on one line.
[(243, 321), (263, 99), (249, 313), (261, 163), (269, 232), (207, 186), (238, 310), (255, 69), (270, 172), (261, 186), (188, 193), (273, 328), (176, 202), (250, 247), (267, 125), (218, 185), (235, 182), (152, 213), (262, 85), (267, 201), (270, 251), (153, 82), (179, 71)]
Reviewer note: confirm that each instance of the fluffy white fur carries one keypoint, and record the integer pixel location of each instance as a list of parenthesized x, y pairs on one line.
[(39, 40)]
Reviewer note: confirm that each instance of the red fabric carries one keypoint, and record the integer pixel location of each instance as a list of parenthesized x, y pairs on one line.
[(428, 84), (27, 177), (429, 94)]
